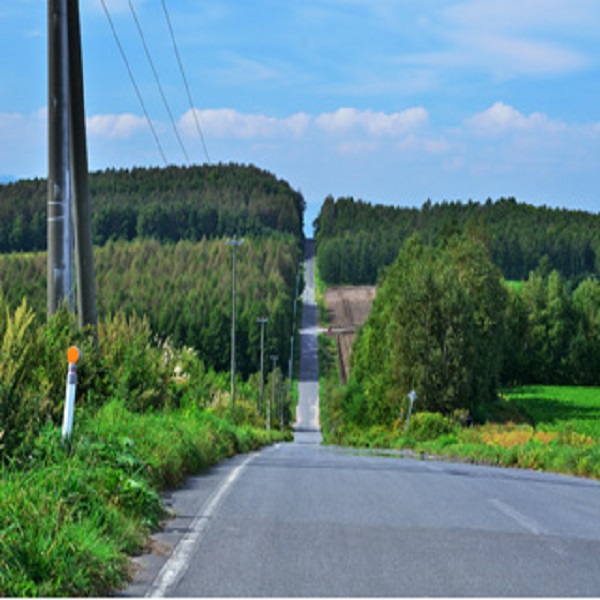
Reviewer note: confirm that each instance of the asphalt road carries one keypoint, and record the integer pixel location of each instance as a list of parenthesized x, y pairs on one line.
[(308, 520), (307, 426), (302, 519)]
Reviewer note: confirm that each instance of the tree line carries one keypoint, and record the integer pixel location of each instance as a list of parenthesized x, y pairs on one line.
[(167, 204), (356, 240), (446, 324), (183, 289)]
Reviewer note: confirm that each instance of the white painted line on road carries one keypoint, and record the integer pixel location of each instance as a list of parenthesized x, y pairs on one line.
[(520, 518), (178, 562)]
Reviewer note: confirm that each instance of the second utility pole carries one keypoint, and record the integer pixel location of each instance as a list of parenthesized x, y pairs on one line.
[(235, 243), (263, 321)]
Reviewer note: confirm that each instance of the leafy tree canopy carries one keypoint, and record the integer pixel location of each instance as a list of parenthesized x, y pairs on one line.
[(435, 327)]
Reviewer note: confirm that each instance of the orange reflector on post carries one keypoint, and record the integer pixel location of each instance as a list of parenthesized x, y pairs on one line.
[(73, 355)]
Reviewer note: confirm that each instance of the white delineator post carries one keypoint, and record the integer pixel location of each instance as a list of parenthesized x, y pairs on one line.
[(73, 356), (412, 396)]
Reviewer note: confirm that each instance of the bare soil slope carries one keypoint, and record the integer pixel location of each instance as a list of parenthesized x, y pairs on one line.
[(347, 308)]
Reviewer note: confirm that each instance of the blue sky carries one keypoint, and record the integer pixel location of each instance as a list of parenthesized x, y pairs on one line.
[(391, 101)]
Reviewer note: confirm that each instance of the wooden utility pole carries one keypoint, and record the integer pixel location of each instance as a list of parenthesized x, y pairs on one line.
[(60, 243), (82, 212), (69, 212)]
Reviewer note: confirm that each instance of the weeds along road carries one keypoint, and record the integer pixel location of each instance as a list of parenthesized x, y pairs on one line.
[(302, 519)]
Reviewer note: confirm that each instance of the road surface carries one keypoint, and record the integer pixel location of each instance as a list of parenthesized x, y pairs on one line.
[(301, 519), (307, 426)]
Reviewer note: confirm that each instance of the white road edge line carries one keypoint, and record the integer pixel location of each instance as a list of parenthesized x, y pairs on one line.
[(178, 562), (520, 518)]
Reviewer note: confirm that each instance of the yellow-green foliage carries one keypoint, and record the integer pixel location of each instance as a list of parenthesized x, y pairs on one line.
[(184, 291), (18, 349)]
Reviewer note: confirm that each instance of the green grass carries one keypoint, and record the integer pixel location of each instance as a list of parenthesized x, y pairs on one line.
[(70, 517), (556, 407)]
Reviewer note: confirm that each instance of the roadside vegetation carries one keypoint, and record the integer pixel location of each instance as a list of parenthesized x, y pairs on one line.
[(546, 428), (147, 416), (153, 396), (503, 372)]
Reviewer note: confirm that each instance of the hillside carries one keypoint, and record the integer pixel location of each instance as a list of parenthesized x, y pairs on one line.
[(357, 240), (184, 291), (168, 204)]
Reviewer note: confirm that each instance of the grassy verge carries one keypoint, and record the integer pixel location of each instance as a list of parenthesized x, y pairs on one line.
[(554, 429), (70, 517)]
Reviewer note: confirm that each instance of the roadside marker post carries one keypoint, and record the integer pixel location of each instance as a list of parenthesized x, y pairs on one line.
[(412, 396), (73, 356)]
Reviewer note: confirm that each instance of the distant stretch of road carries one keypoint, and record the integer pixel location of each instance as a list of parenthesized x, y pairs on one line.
[(303, 519), (307, 426)]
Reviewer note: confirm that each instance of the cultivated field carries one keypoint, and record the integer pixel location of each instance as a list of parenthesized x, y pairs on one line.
[(347, 309)]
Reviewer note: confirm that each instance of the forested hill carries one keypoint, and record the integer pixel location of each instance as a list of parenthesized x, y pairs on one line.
[(168, 204), (355, 239)]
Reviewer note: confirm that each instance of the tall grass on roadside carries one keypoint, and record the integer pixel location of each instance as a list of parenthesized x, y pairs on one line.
[(71, 518), (148, 415)]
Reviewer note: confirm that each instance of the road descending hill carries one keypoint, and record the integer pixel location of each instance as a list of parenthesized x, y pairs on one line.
[(302, 519)]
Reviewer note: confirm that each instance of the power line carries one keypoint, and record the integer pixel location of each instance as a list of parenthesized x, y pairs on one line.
[(132, 78), (185, 81), (156, 77)]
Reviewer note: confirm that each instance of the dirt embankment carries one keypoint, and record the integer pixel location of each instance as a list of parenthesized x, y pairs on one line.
[(347, 309)]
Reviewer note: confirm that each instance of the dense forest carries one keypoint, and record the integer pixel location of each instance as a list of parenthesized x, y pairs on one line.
[(160, 252), (357, 240), (184, 290), (168, 204)]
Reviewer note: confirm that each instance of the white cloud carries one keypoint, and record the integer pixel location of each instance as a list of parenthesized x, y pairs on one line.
[(510, 55), (229, 123), (375, 124), (502, 118), (115, 126)]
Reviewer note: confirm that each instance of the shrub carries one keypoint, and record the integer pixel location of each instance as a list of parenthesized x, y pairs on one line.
[(429, 426)]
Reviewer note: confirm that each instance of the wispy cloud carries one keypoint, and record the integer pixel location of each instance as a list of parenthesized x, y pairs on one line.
[(374, 124), (228, 123), (512, 38), (116, 127), (523, 15)]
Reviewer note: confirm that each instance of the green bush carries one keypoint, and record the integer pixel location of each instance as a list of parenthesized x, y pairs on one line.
[(429, 426)]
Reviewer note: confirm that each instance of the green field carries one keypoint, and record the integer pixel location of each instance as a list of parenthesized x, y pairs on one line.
[(552, 408)]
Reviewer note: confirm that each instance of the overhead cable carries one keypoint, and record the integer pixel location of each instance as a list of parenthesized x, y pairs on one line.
[(185, 81), (132, 78), (156, 77)]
